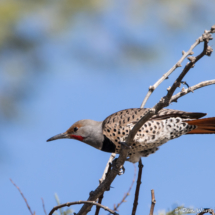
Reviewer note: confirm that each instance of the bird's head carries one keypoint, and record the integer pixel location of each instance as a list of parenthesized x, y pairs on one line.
[(88, 131)]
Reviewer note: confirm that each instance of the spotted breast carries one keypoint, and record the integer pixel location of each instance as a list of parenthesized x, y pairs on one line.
[(162, 127)]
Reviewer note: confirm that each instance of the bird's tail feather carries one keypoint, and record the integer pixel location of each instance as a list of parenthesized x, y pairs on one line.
[(204, 126)]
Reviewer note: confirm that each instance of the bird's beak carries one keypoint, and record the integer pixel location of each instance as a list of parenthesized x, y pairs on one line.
[(59, 136)]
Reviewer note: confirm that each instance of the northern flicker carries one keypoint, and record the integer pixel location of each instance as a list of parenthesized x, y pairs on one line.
[(167, 124)]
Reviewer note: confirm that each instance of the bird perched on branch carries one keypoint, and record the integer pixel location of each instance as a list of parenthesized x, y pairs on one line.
[(109, 134)]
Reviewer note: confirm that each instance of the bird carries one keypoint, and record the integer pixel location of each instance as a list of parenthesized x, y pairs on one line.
[(110, 134)]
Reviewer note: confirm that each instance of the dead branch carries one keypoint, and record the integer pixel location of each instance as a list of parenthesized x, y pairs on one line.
[(82, 202), (44, 209), (128, 193), (137, 188), (32, 213), (178, 64), (116, 166), (105, 175), (113, 155), (191, 89), (99, 201), (152, 203)]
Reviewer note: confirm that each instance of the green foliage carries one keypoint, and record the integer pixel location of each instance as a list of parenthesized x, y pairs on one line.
[(62, 212), (179, 210)]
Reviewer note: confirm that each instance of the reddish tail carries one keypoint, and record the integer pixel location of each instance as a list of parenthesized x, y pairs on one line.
[(204, 126)]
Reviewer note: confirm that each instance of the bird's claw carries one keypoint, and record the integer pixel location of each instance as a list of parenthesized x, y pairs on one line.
[(121, 171), (124, 144), (122, 168)]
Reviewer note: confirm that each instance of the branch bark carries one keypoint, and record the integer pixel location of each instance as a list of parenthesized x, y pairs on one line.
[(152, 203), (82, 202), (128, 193), (191, 89), (178, 64), (137, 188)]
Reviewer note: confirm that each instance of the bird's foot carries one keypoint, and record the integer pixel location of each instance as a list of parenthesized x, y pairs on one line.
[(122, 168), (124, 144)]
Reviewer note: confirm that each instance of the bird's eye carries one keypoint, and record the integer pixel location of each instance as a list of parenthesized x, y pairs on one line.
[(75, 129)]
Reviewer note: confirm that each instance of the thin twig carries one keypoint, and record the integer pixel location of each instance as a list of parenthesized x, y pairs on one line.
[(99, 201), (44, 209), (81, 202), (137, 188), (113, 155), (164, 102), (152, 203), (191, 89), (128, 193), (32, 213), (178, 64)]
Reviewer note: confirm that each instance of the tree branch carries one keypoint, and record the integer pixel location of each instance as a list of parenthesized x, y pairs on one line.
[(44, 209), (82, 202), (116, 166), (152, 203), (137, 188), (178, 64), (191, 89), (105, 174), (32, 213), (128, 193), (113, 155)]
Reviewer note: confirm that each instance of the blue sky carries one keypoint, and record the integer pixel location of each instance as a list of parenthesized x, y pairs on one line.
[(88, 77)]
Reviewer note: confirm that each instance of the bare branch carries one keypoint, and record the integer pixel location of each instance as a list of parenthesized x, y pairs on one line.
[(99, 201), (128, 193), (116, 166), (32, 213), (178, 64), (137, 188), (44, 209), (106, 171), (152, 203), (191, 89), (113, 155), (81, 202)]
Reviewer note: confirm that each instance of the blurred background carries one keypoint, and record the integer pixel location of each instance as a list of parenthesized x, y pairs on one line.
[(62, 61)]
